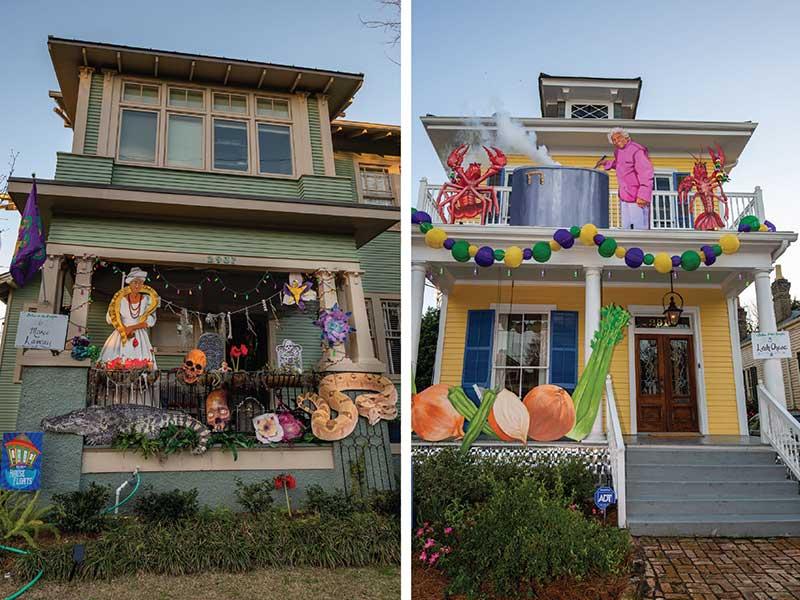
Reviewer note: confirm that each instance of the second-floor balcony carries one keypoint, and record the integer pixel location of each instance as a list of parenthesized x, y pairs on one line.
[(667, 212)]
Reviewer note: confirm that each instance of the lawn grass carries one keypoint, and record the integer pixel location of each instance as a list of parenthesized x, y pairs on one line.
[(375, 583)]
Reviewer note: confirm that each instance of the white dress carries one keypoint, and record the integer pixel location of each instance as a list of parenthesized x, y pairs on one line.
[(113, 348)]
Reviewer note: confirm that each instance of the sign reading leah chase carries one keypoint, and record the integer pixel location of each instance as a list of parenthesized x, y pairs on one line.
[(21, 462), (41, 331), (771, 345)]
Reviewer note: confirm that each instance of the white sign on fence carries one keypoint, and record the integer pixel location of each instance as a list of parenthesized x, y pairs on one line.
[(771, 345), (41, 331)]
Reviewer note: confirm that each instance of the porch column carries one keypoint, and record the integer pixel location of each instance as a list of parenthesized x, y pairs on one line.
[(592, 276), (418, 271), (326, 292), (773, 370), (51, 283), (362, 351), (81, 292)]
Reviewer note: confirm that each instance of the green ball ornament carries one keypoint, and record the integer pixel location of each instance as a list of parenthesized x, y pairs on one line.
[(717, 249), (648, 259), (542, 252), (425, 227), (575, 231), (607, 248), (752, 221), (460, 251), (499, 254), (690, 260)]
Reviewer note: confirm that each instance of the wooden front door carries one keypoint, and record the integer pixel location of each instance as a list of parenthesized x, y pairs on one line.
[(666, 398)]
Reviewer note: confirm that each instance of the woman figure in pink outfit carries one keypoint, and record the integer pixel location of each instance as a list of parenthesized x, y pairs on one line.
[(635, 178)]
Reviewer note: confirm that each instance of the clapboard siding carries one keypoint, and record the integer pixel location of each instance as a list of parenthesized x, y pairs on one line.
[(315, 136), (10, 391), (83, 169), (332, 189), (791, 366), (346, 168), (97, 330), (298, 326), (93, 115), (380, 260), (200, 239)]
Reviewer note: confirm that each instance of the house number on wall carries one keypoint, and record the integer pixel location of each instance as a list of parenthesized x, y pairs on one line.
[(221, 260)]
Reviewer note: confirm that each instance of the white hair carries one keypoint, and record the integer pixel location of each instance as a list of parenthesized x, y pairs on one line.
[(620, 131)]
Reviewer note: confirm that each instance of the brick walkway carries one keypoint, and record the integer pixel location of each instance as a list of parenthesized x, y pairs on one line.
[(721, 568)]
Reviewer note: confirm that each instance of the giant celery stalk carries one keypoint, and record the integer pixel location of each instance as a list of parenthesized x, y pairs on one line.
[(589, 390)]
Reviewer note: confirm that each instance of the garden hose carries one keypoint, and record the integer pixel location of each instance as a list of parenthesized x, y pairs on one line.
[(111, 509), (28, 585)]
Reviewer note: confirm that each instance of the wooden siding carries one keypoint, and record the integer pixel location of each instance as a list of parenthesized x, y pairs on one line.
[(317, 157), (380, 260), (97, 330), (93, 114), (199, 238), (715, 338), (299, 327), (83, 169), (346, 168), (791, 366)]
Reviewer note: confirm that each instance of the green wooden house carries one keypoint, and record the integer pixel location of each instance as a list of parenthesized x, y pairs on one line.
[(218, 177)]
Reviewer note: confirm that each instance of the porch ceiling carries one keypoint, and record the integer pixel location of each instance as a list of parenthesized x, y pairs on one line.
[(363, 222)]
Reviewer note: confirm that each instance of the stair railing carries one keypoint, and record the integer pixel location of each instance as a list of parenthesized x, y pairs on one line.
[(779, 429), (616, 452)]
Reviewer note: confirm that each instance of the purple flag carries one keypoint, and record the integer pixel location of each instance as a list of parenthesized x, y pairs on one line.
[(29, 254)]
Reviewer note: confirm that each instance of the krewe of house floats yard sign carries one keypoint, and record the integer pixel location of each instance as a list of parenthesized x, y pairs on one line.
[(771, 345), (41, 331)]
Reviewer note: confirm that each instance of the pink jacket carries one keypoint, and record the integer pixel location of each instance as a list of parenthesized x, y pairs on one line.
[(634, 172)]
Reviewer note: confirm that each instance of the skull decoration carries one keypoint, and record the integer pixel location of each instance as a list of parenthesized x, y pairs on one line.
[(217, 412), (193, 366)]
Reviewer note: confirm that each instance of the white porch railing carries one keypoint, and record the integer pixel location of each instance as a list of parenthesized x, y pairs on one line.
[(666, 211), (616, 452), (779, 429)]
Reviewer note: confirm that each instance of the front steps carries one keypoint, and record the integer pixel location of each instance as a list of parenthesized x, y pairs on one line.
[(735, 491)]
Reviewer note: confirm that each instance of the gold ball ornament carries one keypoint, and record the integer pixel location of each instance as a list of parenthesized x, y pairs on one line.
[(473, 250), (513, 257), (729, 243), (619, 252), (588, 232), (702, 256), (663, 262), (763, 227), (435, 237), (555, 246)]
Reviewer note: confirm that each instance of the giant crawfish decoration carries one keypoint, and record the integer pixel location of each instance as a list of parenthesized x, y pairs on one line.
[(465, 197), (708, 190)]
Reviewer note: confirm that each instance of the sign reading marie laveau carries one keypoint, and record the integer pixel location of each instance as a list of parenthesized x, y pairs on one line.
[(21, 461)]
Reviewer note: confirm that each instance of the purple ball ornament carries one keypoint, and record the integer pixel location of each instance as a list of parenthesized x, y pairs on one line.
[(421, 217), (744, 227), (484, 257), (599, 239), (711, 257), (527, 254), (634, 257), (770, 226), (564, 238), (676, 261), (448, 243)]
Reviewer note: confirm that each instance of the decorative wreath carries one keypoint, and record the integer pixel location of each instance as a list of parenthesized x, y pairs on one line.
[(335, 325), (113, 308)]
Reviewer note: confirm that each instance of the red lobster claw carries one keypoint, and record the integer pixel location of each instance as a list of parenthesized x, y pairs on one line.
[(498, 159), (457, 156), (718, 156)]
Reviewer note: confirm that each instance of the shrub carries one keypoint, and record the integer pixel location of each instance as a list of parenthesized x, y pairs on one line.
[(166, 507), (255, 497), (21, 518), (224, 544), (332, 505), (524, 538), (81, 511), (386, 503)]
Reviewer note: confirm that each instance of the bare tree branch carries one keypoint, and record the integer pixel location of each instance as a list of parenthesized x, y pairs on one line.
[(390, 24), (12, 161)]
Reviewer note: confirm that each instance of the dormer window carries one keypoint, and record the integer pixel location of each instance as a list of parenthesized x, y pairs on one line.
[(581, 110)]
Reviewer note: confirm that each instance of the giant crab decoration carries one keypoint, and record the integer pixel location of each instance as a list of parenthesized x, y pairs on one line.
[(705, 185), (465, 197)]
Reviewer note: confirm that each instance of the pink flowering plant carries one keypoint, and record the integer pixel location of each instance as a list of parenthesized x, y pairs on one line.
[(433, 547)]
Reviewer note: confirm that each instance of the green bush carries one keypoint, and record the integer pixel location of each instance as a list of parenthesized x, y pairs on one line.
[(333, 505), (255, 497), (233, 545), (386, 503), (80, 512), (167, 507), (20, 517), (523, 538)]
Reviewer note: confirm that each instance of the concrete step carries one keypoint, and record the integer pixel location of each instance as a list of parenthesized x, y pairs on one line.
[(719, 490), (710, 506), (705, 472), (700, 456), (755, 525)]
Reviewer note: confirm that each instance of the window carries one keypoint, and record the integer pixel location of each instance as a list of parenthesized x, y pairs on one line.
[(274, 149), (230, 103), (185, 141), (751, 384), (520, 360), (376, 185), (137, 136), (589, 111), (230, 145), (391, 327), (140, 93), (274, 108), (181, 98)]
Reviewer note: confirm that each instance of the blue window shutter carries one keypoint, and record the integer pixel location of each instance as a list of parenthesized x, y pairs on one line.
[(564, 349), (478, 351)]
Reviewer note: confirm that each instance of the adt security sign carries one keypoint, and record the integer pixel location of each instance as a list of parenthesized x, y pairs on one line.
[(604, 497)]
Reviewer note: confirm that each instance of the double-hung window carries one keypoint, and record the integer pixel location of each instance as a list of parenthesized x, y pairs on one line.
[(376, 185), (384, 323), (521, 350), (138, 135), (274, 136)]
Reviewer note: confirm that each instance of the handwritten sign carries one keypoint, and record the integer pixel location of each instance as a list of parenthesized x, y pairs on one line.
[(21, 462), (41, 331), (771, 345)]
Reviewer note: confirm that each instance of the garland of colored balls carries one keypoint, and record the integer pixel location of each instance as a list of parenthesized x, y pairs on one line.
[(513, 256)]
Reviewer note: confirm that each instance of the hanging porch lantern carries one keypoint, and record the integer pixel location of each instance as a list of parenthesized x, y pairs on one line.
[(672, 310)]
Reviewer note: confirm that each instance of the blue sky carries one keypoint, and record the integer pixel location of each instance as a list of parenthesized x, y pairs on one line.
[(714, 61), (306, 33)]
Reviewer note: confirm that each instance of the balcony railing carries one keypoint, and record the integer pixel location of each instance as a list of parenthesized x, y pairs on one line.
[(666, 212)]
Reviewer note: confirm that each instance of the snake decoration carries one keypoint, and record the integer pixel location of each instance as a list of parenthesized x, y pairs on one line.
[(381, 403), (113, 309)]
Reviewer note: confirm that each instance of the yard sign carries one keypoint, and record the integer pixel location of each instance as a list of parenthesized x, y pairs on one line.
[(21, 461)]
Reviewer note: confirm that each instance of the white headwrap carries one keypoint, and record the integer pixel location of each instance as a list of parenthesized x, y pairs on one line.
[(135, 273)]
